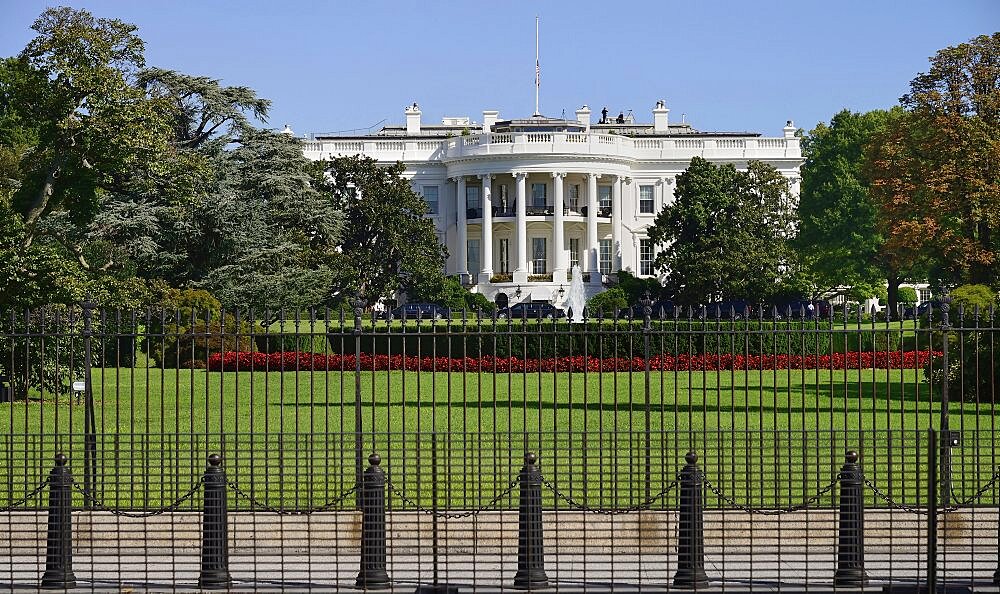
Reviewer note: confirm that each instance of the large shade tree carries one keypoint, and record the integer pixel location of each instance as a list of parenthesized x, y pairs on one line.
[(725, 236), (936, 170)]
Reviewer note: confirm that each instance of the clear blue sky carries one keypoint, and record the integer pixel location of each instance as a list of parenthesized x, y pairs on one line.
[(738, 65)]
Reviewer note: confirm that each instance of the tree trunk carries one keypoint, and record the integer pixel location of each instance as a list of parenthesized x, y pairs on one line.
[(42, 199), (893, 297)]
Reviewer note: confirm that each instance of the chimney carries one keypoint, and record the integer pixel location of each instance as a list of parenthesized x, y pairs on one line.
[(789, 129), (412, 119), (583, 116), (661, 119), (490, 117)]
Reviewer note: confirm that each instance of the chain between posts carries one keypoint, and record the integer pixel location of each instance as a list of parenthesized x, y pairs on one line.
[(773, 512), (648, 503), (506, 492), (291, 512), (170, 508), (19, 502), (945, 510)]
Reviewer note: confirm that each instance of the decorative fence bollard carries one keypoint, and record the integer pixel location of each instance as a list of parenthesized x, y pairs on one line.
[(59, 546), (215, 532), (373, 575), (530, 547), (691, 542), (851, 529)]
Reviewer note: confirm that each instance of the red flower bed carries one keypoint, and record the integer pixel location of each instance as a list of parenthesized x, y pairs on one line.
[(292, 361)]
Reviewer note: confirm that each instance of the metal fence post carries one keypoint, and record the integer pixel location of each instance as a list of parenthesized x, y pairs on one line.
[(530, 547), (691, 541), (215, 532), (89, 416), (851, 531), (373, 575), (359, 467), (945, 441), (932, 504), (59, 544)]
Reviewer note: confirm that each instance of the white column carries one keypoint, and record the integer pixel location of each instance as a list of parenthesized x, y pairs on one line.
[(463, 228), (487, 240), (521, 230), (593, 247), (616, 223), (558, 243)]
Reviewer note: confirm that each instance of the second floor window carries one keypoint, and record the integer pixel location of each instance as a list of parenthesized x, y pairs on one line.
[(538, 195), (472, 201), (645, 199), (646, 257), (604, 197), (573, 201), (431, 197)]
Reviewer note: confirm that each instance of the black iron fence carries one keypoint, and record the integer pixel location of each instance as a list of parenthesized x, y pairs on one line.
[(326, 450)]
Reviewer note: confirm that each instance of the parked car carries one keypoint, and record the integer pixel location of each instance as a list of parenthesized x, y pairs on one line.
[(726, 310), (419, 311), (913, 313), (531, 311), (663, 308), (800, 309)]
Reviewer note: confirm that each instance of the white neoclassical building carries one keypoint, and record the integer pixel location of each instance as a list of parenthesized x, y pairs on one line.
[(520, 202)]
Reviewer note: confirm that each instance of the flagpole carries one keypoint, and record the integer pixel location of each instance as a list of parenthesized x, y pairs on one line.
[(538, 71)]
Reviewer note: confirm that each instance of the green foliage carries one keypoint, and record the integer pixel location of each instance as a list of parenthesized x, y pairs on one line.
[(607, 302), (387, 243), (907, 295), (969, 297), (725, 233), (449, 292), (191, 343), (635, 288)]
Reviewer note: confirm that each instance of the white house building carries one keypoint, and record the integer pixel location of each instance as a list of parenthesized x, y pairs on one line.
[(520, 202)]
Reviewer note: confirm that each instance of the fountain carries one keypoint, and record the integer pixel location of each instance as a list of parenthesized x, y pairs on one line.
[(576, 299)]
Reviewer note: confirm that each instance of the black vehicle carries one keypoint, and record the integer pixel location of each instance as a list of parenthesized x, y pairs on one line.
[(802, 309), (419, 311), (913, 313), (531, 311), (662, 309), (728, 310)]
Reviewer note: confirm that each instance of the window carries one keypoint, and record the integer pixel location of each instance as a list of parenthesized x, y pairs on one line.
[(474, 260), (574, 252), (605, 261), (924, 295), (502, 200), (646, 257), (539, 257), (573, 201), (472, 202), (646, 199), (538, 195), (431, 197), (504, 255), (604, 197)]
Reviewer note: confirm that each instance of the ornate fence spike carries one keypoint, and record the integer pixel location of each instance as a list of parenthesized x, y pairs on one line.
[(59, 548), (691, 539), (530, 545)]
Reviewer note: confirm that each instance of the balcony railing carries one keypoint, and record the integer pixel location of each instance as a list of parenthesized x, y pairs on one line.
[(537, 211)]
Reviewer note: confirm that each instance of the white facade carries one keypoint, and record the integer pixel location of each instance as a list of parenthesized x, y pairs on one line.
[(518, 202)]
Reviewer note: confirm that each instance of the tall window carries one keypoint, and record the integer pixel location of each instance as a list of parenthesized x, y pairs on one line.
[(503, 202), (574, 252), (472, 202), (573, 202), (605, 254), (504, 255), (646, 199), (604, 196), (474, 259), (538, 195), (539, 256), (646, 257), (925, 295), (431, 197)]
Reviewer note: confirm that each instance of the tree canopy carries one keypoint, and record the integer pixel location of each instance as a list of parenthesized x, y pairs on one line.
[(936, 170), (726, 234)]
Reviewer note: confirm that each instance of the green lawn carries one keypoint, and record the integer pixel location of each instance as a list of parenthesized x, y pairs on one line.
[(768, 437)]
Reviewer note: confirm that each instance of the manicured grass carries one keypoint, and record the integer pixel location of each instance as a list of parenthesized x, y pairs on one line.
[(768, 437)]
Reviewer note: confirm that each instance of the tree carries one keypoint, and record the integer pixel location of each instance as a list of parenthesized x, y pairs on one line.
[(936, 170), (726, 234), (839, 235), (386, 244)]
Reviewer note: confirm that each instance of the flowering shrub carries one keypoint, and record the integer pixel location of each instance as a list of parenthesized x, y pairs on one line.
[(297, 361)]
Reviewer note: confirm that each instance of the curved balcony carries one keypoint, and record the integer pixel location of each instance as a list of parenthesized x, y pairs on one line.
[(536, 211)]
